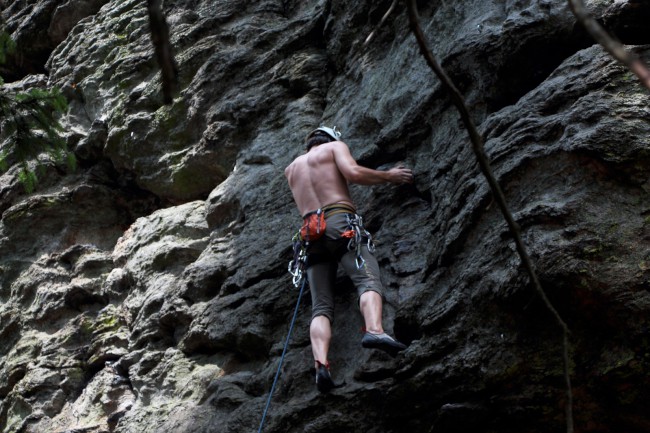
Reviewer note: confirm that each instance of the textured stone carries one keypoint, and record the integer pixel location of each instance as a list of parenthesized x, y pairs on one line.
[(148, 292), (37, 28)]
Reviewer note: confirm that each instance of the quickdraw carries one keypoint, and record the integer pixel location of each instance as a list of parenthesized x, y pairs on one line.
[(297, 265), (357, 234)]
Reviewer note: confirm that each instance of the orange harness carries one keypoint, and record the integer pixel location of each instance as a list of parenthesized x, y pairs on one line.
[(314, 225)]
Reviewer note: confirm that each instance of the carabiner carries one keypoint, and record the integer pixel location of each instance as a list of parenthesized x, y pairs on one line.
[(297, 278), (359, 261)]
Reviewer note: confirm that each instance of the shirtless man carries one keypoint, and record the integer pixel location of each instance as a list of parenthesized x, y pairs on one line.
[(319, 180)]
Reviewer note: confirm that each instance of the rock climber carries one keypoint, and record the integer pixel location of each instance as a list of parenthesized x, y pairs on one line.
[(319, 182)]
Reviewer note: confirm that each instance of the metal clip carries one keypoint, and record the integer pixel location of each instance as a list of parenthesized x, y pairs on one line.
[(296, 267), (370, 244), (297, 278), (359, 261)]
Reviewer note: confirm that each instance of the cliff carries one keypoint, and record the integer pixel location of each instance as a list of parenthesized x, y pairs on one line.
[(148, 290)]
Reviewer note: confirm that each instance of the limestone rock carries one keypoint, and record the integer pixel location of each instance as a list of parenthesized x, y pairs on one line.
[(38, 27), (148, 292)]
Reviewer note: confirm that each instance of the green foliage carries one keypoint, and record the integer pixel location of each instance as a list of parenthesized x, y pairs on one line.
[(29, 126), (28, 179), (7, 46)]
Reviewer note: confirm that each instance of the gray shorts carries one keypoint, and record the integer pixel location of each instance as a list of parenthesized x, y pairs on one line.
[(324, 256)]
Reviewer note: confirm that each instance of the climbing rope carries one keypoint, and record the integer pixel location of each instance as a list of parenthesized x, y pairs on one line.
[(284, 351)]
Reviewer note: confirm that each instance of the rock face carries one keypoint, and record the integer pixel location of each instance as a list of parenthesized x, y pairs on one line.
[(148, 292)]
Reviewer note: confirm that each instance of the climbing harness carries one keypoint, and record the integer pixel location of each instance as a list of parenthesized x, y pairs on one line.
[(284, 351), (313, 226), (357, 234)]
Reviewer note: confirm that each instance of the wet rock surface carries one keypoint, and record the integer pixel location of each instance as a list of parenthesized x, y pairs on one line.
[(148, 291)]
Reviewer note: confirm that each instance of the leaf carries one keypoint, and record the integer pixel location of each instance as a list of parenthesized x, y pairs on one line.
[(30, 120), (7, 46)]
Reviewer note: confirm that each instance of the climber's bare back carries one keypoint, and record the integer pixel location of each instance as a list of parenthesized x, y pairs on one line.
[(316, 178)]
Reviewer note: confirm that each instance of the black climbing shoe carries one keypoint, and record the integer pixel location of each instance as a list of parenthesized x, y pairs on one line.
[(382, 342), (324, 381)]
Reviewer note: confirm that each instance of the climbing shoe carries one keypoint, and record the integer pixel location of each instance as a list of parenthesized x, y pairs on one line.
[(324, 381), (382, 342)]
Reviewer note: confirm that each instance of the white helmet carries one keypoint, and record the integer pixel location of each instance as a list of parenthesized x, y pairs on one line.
[(332, 132)]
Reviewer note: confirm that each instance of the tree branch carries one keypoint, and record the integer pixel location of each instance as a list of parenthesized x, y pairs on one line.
[(163, 48), (478, 148), (381, 23), (613, 47)]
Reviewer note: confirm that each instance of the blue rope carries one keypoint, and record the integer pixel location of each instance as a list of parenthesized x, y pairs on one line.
[(284, 351)]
